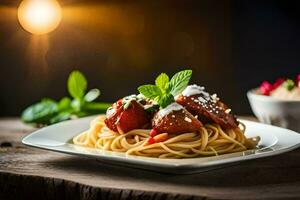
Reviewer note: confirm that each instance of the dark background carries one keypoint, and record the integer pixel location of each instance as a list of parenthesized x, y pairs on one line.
[(231, 45)]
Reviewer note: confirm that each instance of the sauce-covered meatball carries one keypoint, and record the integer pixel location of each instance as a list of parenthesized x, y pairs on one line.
[(126, 115), (174, 119), (208, 107)]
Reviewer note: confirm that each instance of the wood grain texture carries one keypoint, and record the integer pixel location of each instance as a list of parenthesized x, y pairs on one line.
[(27, 173)]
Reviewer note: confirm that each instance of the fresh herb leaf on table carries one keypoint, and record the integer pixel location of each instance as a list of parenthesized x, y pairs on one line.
[(49, 111)]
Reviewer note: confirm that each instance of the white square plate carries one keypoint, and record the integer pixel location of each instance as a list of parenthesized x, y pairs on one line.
[(274, 140)]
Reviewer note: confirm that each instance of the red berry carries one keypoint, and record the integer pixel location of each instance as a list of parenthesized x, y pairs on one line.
[(278, 83), (266, 88), (153, 133), (298, 79)]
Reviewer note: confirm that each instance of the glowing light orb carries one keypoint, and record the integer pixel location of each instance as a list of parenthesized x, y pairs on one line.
[(39, 16)]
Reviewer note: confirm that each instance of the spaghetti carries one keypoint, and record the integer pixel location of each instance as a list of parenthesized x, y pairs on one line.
[(209, 140)]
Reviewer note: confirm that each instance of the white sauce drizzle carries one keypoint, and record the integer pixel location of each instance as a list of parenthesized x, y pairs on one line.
[(129, 98), (109, 112), (204, 96), (192, 90), (195, 89), (169, 109), (202, 100)]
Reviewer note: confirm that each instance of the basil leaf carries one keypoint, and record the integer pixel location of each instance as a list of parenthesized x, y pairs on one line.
[(77, 84), (180, 81), (40, 112), (77, 104), (64, 104), (92, 95), (150, 91), (49, 111), (166, 100), (94, 107), (80, 114), (63, 116), (162, 81)]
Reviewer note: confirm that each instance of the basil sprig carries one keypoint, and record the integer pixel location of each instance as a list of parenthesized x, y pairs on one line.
[(49, 111), (164, 90)]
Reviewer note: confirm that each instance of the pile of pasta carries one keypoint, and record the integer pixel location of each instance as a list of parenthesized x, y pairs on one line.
[(209, 140)]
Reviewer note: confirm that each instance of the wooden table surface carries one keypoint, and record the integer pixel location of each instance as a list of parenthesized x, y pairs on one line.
[(28, 173)]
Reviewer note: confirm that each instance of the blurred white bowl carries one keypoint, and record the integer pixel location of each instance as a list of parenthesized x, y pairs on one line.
[(283, 113)]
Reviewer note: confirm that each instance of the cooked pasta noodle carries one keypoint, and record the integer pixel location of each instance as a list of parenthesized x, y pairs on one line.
[(210, 140)]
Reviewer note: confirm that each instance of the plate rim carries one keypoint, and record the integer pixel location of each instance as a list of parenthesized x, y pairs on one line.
[(138, 160)]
